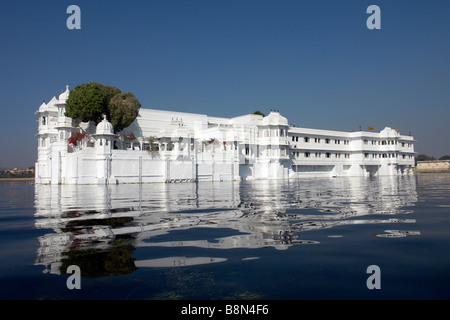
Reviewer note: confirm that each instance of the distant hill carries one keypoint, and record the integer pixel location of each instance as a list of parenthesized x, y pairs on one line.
[(17, 173)]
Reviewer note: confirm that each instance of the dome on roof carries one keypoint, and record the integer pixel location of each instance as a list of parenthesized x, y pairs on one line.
[(105, 127), (63, 96), (274, 119), (176, 129)]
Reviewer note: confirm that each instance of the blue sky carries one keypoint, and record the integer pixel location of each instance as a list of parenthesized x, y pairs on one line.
[(315, 61)]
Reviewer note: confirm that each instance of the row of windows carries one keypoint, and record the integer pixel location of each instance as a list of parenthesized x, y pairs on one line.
[(266, 133), (297, 154), (387, 142), (387, 155), (346, 142), (319, 155), (318, 140)]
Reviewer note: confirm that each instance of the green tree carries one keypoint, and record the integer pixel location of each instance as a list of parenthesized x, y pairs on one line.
[(424, 157), (259, 112), (123, 108), (89, 101), (446, 157)]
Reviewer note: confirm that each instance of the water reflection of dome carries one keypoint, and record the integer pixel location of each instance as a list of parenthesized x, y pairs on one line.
[(249, 215)]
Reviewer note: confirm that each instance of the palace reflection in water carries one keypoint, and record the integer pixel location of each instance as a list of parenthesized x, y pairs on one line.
[(99, 227)]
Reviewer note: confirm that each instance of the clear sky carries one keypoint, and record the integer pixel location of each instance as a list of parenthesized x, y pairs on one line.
[(315, 61)]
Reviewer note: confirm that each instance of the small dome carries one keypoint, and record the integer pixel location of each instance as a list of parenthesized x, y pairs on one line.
[(65, 95), (275, 119), (105, 127)]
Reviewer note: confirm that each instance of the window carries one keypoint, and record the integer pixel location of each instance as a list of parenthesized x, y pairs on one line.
[(366, 155), (44, 121), (307, 154), (327, 141), (328, 155), (365, 141), (317, 140), (306, 139)]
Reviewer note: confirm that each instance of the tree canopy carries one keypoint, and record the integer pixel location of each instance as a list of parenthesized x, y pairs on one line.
[(259, 112), (424, 157), (89, 101), (123, 108)]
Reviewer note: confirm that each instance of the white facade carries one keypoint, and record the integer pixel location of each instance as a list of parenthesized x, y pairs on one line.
[(176, 146)]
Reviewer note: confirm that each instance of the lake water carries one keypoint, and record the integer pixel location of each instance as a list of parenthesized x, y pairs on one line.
[(278, 240)]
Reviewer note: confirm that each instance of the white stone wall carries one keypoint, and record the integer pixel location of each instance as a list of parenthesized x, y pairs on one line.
[(244, 148)]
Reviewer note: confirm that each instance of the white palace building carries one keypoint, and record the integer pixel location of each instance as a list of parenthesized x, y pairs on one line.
[(165, 146)]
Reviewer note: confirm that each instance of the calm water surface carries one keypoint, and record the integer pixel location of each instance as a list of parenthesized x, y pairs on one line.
[(297, 239)]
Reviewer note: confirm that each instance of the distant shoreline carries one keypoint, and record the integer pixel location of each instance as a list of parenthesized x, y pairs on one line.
[(17, 178), (431, 171)]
